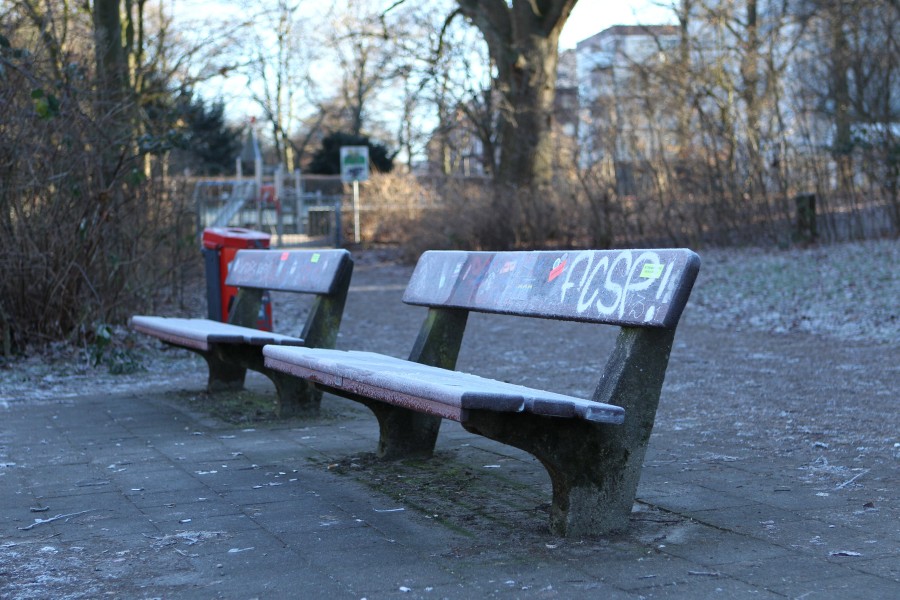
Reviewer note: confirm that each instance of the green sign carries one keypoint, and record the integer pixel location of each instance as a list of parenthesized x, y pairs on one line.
[(354, 163)]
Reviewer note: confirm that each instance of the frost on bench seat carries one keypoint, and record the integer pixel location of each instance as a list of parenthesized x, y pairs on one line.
[(200, 333), (444, 393)]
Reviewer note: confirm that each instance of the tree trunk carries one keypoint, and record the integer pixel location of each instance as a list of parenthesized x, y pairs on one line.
[(112, 67), (843, 141), (522, 39), (684, 137), (528, 85), (750, 78)]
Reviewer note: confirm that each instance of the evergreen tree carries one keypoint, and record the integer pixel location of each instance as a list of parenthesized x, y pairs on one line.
[(209, 138), (327, 159)]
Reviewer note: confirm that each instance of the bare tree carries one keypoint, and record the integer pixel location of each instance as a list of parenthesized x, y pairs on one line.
[(420, 85), (465, 99), (523, 39), (369, 58), (87, 236), (278, 74)]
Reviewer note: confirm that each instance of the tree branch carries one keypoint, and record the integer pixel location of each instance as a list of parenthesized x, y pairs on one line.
[(554, 13), (493, 19)]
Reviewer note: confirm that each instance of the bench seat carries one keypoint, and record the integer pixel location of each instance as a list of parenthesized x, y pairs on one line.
[(441, 392), (200, 333), (231, 348)]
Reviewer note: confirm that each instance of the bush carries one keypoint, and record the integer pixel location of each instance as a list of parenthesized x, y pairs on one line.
[(469, 213), (87, 234), (389, 205)]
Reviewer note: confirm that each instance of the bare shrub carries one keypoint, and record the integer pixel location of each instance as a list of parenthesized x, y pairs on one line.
[(474, 214), (458, 213), (691, 202), (389, 204), (457, 219), (87, 235)]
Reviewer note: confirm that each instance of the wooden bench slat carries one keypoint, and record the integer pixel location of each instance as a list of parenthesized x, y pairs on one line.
[(199, 333), (395, 375), (399, 381), (348, 386), (303, 271), (646, 288), (187, 339)]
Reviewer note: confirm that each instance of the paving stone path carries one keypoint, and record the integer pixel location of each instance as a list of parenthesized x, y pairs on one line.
[(773, 472)]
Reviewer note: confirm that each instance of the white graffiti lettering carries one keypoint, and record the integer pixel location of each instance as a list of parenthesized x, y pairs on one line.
[(642, 284), (582, 303), (611, 286), (665, 280), (614, 287)]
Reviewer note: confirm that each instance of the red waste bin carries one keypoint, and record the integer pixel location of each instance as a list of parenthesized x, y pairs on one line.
[(220, 244)]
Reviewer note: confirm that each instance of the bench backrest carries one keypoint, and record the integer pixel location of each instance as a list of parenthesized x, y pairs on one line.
[(305, 271), (647, 288)]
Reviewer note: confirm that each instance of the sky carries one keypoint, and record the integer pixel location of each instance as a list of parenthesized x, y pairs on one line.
[(593, 16), (588, 17)]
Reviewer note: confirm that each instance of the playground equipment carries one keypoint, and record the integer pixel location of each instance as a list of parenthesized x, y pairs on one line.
[(272, 201)]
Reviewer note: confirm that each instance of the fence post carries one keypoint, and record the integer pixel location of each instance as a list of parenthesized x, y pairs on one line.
[(258, 178), (338, 237), (298, 202), (279, 200), (806, 218)]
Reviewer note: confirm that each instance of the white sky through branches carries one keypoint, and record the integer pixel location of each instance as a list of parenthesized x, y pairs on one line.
[(588, 17), (593, 16)]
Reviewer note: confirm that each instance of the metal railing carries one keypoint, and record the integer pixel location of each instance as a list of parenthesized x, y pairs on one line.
[(292, 218)]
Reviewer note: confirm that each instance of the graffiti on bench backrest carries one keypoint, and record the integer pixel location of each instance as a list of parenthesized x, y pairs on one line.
[(641, 287), (293, 271)]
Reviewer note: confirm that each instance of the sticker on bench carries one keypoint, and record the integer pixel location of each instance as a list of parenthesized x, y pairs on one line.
[(289, 271), (652, 271), (559, 265)]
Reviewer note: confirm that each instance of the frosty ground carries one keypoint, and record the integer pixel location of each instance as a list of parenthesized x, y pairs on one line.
[(841, 292), (772, 470)]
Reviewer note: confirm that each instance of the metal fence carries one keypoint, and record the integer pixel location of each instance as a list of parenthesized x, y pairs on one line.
[(277, 206)]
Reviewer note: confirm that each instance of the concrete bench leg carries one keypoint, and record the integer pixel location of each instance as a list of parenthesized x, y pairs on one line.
[(594, 468), (593, 479), (228, 366), (404, 433), (296, 397), (223, 376)]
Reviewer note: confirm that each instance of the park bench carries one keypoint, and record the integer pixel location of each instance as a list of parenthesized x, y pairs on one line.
[(233, 347), (593, 448)]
